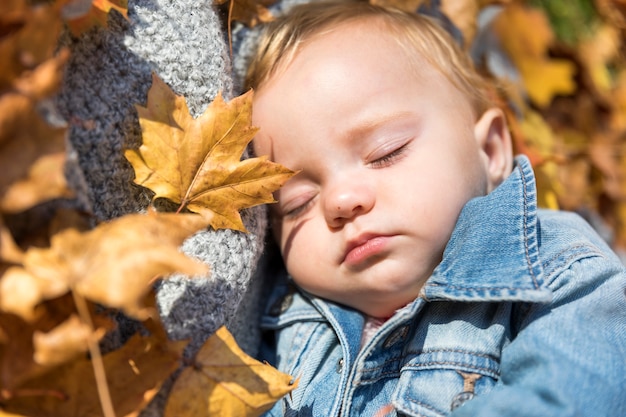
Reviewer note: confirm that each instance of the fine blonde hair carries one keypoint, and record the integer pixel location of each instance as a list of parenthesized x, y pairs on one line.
[(282, 38)]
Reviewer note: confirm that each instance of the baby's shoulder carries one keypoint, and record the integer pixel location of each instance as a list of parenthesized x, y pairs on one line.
[(565, 238)]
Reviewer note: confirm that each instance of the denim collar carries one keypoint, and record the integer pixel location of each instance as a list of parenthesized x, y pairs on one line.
[(493, 253)]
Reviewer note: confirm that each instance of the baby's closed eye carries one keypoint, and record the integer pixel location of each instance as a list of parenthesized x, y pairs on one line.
[(298, 205), (389, 158)]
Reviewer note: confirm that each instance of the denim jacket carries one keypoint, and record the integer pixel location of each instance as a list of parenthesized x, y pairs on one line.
[(524, 316)]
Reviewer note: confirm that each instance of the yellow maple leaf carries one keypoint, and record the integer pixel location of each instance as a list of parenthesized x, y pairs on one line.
[(546, 78), (226, 382), (525, 35), (196, 162)]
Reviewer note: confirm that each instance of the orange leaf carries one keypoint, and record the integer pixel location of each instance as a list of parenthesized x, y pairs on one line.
[(196, 162), (226, 382)]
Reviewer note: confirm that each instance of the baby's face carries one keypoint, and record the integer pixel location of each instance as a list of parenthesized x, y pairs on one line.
[(388, 158)]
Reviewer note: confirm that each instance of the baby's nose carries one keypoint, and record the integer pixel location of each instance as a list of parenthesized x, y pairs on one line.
[(346, 200)]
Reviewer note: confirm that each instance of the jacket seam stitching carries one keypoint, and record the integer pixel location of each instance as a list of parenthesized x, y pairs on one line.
[(527, 252), (567, 262)]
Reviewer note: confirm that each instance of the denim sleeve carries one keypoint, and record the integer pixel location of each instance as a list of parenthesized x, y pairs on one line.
[(569, 358)]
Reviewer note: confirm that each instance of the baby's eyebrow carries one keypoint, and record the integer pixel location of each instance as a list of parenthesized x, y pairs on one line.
[(368, 126)]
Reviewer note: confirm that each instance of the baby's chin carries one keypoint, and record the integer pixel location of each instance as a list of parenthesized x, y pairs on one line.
[(383, 313), (371, 308)]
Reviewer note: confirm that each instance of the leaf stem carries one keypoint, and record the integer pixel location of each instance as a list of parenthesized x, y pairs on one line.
[(96, 358), (231, 5)]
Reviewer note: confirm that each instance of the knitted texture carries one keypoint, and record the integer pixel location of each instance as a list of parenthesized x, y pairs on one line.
[(109, 72)]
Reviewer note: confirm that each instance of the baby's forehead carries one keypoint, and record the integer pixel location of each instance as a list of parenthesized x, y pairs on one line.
[(366, 36), (360, 28), (416, 40)]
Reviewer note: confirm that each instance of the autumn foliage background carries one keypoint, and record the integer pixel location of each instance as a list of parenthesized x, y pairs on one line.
[(558, 68)]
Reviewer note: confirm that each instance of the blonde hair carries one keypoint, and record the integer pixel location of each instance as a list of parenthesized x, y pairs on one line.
[(283, 37)]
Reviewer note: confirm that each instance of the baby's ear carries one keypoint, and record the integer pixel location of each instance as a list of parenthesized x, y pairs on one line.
[(493, 136)]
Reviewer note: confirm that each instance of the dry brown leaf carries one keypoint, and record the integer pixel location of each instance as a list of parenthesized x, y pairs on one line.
[(30, 37), (112, 264), (20, 291), (45, 79), (67, 218), (573, 187), (226, 382), (9, 7), (525, 35), (16, 351), (134, 374), (252, 12), (598, 52), (618, 100), (9, 251), (5, 414), (17, 363), (45, 181), (614, 11), (196, 162), (115, 263), (249, 12), (608, 153), (31, 156), (64, 342)]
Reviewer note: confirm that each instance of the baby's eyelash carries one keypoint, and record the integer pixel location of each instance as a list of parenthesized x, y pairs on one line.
[(389, 158), (298, 211)]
